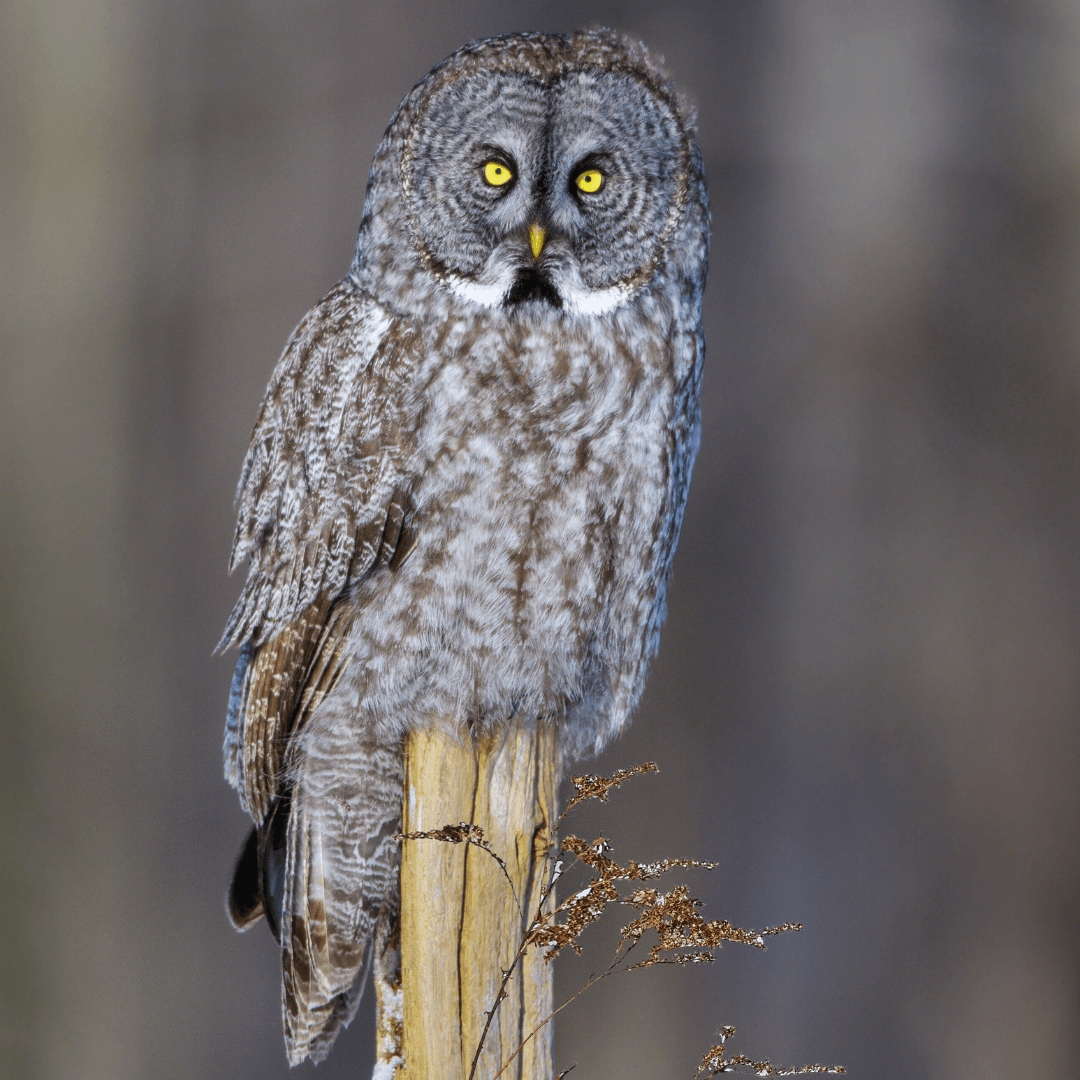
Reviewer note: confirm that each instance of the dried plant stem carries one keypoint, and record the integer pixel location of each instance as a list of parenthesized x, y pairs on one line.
[(462, 930), (509, 777), (508, 974), (611, 969)]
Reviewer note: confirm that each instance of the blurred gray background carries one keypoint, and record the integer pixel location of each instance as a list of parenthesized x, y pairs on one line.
[(865, 706)]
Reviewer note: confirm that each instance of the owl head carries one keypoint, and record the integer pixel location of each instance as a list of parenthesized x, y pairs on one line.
[(535, 176)]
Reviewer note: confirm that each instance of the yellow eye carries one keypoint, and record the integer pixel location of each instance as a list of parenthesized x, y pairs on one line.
[(497, 174), (590, 180)]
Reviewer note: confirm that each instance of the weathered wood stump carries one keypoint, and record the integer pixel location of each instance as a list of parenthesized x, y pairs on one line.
[(461, 922)]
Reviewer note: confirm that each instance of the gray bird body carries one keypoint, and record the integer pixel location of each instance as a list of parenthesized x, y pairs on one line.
[(465, 486)]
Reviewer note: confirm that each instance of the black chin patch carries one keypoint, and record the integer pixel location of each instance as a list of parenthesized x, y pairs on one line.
[(530, 284)]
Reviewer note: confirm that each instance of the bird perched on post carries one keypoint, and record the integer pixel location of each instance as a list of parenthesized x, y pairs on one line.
[(466, 481)]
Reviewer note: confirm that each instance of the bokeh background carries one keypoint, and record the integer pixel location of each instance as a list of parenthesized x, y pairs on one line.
[(865, 706)]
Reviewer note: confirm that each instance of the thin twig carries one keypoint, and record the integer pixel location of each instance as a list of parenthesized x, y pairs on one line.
[(490, 1014), (612, 969), (545, 892), (465, 833)]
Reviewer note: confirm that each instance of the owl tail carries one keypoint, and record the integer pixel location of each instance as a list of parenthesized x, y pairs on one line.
[(340, 870), (322, 868)]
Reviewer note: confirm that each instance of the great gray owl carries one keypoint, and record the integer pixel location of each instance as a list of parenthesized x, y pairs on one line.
[(465, 484)]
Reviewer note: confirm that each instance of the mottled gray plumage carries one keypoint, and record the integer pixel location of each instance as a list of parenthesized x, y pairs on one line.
[(465, 485)]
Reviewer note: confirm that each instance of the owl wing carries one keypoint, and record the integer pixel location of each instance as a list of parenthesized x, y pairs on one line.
[(316, 493), (323, 499)]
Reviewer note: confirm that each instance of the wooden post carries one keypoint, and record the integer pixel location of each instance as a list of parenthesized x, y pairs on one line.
[(461, 925)]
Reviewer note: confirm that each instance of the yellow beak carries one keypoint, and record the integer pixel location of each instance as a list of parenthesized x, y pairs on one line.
[(536, 239)]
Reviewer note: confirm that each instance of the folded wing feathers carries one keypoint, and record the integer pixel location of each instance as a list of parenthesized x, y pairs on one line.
[(284, 681), (322, 464), (234, 722)]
